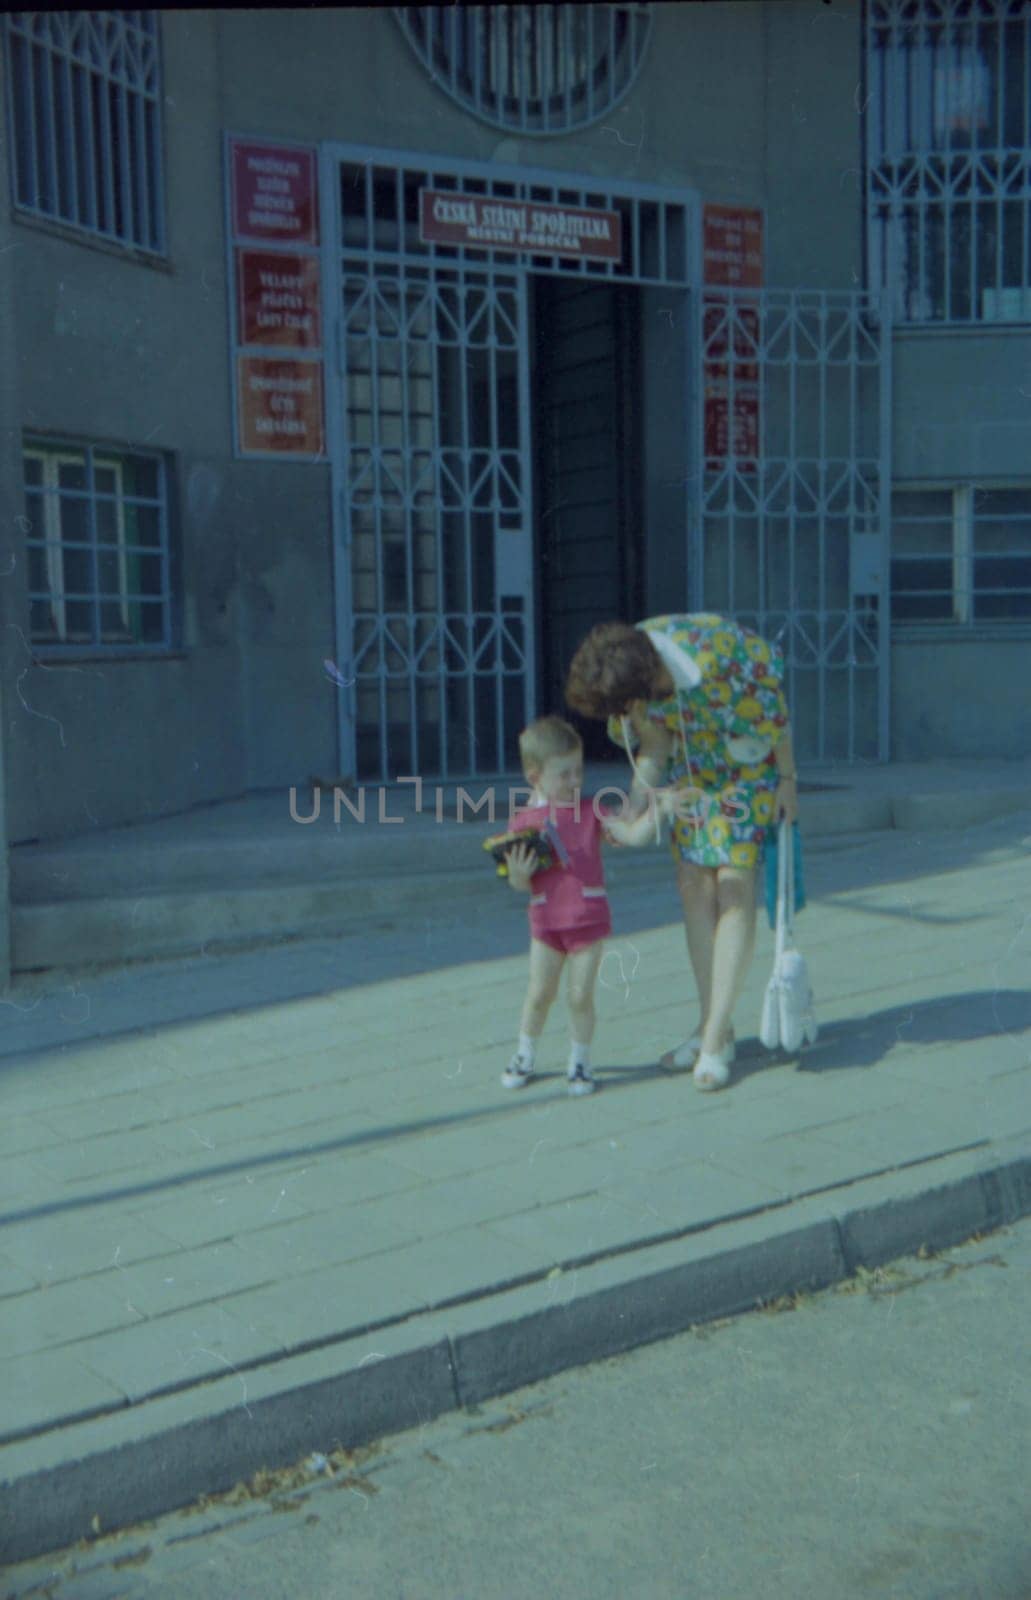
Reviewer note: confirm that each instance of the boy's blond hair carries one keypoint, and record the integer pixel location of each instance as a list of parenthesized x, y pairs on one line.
[(548, 736)]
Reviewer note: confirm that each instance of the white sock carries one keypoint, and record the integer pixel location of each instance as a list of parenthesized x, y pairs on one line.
[(579, 1056), (527, 1048)]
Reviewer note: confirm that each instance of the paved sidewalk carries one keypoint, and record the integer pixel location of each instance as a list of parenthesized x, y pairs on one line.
[(292, 1223)]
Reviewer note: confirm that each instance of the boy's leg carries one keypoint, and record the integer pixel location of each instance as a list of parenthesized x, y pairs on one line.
[(545, 970), (583, 977)]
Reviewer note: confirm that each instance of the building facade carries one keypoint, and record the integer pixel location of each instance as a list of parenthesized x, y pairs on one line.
[(356, 362)]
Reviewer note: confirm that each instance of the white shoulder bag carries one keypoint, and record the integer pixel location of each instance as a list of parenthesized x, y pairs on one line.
[(787, 1015)]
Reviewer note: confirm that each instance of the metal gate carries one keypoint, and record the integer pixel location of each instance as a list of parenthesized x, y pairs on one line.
[(429, 424), (433, 553), (792, 473)]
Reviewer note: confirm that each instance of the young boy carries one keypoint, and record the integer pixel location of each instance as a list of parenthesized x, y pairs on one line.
[(569, 909)]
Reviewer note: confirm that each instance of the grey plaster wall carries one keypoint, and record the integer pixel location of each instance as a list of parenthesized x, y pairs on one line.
[(961, 405), (134, 353), (694, 116), (812, 143), (966, 697), (11, 564)]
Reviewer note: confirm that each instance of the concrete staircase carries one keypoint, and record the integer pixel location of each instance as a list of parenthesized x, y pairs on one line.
[(248, 871)]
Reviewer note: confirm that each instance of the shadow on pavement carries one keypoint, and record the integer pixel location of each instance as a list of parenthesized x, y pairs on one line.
[(854, 1042), (983, 1014)]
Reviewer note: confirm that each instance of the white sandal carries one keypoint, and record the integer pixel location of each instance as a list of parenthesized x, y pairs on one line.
[(685, 1055), (713, 1071)]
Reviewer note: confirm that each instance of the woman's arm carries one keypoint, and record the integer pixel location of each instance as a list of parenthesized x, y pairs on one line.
[(642, 830), (650, 760), (787, 778)]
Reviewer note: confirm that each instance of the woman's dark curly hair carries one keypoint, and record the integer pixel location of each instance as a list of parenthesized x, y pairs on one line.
[(614, 665)]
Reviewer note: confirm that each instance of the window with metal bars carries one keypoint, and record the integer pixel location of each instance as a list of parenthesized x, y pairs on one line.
[(948, 158), (85, 121), (538, 69), (961, 554), (97, 547)]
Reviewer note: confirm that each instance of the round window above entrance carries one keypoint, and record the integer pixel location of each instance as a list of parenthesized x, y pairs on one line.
[(533, 69)]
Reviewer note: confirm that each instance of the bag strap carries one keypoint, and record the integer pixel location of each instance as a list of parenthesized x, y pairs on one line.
[(785, 889)]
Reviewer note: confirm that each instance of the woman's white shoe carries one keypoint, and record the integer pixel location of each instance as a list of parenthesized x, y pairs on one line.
[(685, 1055), (713, 1071)]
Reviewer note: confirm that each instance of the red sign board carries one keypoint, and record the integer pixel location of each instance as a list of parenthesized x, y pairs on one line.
[(486, 222), (275, 194), (280, 405), (744, 319), (732, 247), (718, 444), (732, 250), (278, 299)]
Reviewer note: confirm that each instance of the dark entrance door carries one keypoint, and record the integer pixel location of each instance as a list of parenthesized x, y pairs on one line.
[(586, 384)]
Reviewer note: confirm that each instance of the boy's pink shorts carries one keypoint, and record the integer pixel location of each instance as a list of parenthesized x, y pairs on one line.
[(567, 941)]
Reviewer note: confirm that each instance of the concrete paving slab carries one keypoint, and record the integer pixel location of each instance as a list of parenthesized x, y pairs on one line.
[(48, 1389), (68, 1311), (327, 1238), (333, 1303), (159, 1287), (184, 1349), (58, 1246)]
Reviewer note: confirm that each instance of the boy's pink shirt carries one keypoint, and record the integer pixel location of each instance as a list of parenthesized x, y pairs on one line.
[(565, 906)]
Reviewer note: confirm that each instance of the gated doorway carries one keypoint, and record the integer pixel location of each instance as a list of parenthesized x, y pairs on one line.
[(438, 547), (468, 560), (589, 493)]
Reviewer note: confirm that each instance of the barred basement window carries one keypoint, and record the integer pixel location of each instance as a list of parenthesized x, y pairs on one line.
[(85, 121), (537, 69), (948, 158), (961, 554), (97, 547)]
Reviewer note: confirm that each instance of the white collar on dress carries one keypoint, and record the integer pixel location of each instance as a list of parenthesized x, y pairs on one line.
[(682, 667)]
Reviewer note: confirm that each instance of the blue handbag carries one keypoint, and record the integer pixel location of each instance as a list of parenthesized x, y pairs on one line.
[(771, 847)]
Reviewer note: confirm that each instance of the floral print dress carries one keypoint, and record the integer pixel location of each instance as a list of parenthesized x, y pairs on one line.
[(726, 715)]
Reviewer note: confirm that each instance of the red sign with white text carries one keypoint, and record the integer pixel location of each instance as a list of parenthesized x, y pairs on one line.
[(487, 223), (280, 404), (732, 247), (278, 297), (275, 193), (732, 251)]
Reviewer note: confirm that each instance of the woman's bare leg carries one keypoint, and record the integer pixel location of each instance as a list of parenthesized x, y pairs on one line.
[(698, 897), (732, 950)]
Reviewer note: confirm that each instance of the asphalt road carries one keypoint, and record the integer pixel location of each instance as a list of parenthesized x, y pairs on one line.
[(866, 1442)]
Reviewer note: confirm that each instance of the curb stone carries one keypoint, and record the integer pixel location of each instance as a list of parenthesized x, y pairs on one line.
[(146, 1460)]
